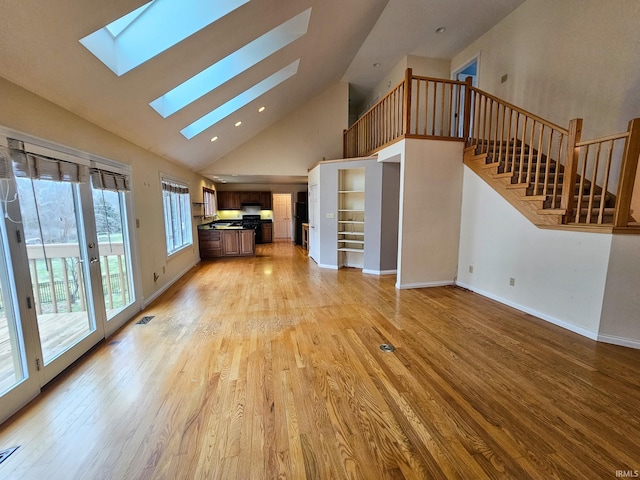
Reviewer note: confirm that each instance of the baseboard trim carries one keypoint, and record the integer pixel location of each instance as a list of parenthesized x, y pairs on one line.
[(379, 272), (620, 341), (543, 316), (165, 287), (404, 286), (330, 267)]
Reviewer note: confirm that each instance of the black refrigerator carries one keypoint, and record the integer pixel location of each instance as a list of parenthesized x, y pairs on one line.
[(300, 216)]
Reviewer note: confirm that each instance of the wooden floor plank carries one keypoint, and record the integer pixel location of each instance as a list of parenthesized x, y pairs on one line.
[(269, 367)]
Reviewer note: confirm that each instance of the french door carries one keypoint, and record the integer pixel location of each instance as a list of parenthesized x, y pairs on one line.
[(66, 278)]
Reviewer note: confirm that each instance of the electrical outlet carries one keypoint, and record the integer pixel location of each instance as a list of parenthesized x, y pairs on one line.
[(512, 281), (470, 268)]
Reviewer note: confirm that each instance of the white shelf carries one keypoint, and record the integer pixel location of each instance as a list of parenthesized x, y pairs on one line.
[(356, 250), (350, 233), (350, 210), (356, 222), (355, 242), (350, 191)]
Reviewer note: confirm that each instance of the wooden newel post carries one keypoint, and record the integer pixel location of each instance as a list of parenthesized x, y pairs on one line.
[(344, 144), (466, 119), (406, 102), (627, 175), (570, 168)]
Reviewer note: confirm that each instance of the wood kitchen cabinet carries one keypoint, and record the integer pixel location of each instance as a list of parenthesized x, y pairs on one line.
[(267, 232), (238, 243), (210, 242), (265, 201), (228, 200), (249, 197)]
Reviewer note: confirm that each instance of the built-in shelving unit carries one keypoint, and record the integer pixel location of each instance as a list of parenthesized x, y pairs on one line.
[(351, 217)]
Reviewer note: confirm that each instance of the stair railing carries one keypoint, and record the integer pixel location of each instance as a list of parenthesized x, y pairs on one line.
[(575, 177)]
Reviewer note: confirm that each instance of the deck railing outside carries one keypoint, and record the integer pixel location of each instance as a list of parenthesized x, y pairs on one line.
[(587, 181)]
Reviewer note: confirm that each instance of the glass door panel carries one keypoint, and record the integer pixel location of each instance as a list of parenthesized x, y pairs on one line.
[(113, 249), (57, 264)]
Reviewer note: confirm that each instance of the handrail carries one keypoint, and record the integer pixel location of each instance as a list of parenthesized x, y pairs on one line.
[(572, 176), (521, 110)]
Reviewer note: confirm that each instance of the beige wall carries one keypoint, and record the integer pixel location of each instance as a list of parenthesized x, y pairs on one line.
[(28, 113), (294, 144), (430, 200), (565, 59), (426, 67)]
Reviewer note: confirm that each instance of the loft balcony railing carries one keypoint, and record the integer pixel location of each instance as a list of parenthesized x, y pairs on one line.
[(589, 182)]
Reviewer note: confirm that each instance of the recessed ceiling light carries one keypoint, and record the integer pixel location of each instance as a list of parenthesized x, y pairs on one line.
[(214, 139), (441, 29), (376, 65), (261, 109), (238, 124)]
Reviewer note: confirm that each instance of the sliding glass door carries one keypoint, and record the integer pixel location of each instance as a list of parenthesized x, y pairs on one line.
[(66, 277)]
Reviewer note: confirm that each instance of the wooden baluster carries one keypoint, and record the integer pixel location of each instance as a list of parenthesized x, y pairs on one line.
[(459, 108), (530, 159), (466, 122), (522, 149), (545, 187), (583, 174), (345, 141), (444, 94), (627, 175), (433, 108), (556, 181), (605, 184), (489, 124), (594, 182), (501, 144), (570, 167), (507, 149), (539, 156), (514, 152)]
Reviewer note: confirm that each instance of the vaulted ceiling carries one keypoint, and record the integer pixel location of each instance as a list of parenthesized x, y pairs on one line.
[(40, 50)]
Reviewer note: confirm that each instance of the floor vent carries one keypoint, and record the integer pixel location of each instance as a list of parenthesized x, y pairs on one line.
[(4, 454), (387, 347), (145, 320)]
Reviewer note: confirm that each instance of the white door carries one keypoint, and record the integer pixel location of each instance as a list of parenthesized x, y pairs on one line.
[(281, 216)]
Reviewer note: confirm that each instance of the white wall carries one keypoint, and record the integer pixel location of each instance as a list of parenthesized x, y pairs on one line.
[(293, 145), (430, 197), (28, 113), (620, 322), (565, 59), (559, 275)]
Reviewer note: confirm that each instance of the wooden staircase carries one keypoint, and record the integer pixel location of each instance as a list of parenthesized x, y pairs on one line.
[(533, 184)]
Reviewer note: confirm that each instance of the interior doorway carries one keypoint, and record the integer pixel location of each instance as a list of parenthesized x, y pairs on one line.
[(282, 216), (469, 69)]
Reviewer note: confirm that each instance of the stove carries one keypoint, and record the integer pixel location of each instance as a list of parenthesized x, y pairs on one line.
[(253, 222)]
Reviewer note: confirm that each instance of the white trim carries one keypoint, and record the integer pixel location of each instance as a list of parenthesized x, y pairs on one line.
[(543, 316), (165, 287), (405, 286), (621, 341), (379, 272), (331, 267), (474, 58)]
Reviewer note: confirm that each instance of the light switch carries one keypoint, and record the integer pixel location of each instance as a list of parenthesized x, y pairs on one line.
[(329, 215)]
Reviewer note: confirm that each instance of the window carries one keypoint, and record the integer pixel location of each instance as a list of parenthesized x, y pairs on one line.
[(209, 200), (177, 215)]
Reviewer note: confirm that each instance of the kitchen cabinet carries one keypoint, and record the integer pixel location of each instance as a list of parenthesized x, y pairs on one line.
[(249, 197), (226, 243), (228, 200), (234, 200), (267, 232), (238, 243), (210, 242), (265, 201)]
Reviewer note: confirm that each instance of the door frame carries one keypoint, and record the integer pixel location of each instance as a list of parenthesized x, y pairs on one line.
[(291, 219)]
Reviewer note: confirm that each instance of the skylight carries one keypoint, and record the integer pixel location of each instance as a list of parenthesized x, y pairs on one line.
[(240, 101), (153, 28), (232, 65)]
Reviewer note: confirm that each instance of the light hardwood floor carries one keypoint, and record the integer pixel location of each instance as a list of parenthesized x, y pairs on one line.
[(270, 367)]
